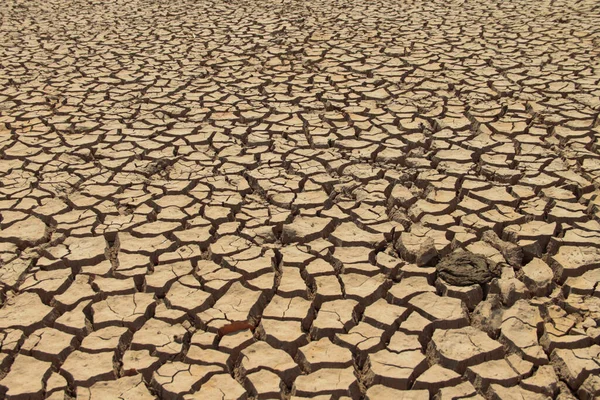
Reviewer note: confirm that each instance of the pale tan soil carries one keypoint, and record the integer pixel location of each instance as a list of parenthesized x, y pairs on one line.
[(249, 199)]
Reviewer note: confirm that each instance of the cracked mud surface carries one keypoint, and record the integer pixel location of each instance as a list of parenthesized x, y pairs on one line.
[(260, 199)]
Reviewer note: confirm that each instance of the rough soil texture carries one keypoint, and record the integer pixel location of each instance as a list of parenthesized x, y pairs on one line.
[(252, 199), (466, 269)]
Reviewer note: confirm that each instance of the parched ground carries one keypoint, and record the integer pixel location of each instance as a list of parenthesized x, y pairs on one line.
[(256, 199)]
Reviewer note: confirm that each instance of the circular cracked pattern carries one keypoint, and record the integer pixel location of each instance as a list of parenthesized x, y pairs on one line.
[(466, 268), (299, 199)]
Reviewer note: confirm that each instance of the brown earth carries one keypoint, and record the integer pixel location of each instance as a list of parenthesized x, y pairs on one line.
[(273, 199)]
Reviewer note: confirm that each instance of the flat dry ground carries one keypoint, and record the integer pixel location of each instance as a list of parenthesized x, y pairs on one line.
[(257, 199)]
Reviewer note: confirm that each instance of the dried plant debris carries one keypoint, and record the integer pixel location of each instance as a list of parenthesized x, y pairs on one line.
[(465, 268)]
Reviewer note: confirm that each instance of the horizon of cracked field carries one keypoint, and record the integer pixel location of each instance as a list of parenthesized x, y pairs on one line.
[(299, 199)]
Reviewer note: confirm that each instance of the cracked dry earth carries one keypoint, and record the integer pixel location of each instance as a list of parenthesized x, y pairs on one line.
[(302, 199)]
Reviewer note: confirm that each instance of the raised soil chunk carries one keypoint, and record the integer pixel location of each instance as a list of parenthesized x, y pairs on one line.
[(575, 365), (383, 315), (572, 261), (139, 361), (220, 386), (435, 378), (106, 339), (362, 339), (519, 331), (74, 321), (464, 390), (198, 355), (48, 344), (286, 308), (161, 337), (125, 388), (263, 384), (395, 370), (261, 355), (350, 234), (85, 369), (291, 284), (416, 249), (183, 296), (230, 307), (25, 378), (380, 392), (287, 335), (445, 312), (457, 349), (500, 392), (537, 275), (79, 291), (471, 295), (129, 310), (407, 288), (401, 342), (86, 251), (305, 229), (30, 232), (363, 288), (160, 280), (323, 354), (334, 317), (174, 379), (333, 382), (590, 389), (512, 253), (26, 312), (506, 372), (544, 381), (56, 383), (417, 325)]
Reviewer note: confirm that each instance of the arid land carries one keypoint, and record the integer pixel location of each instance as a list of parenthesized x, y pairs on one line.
[(386, 199)]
